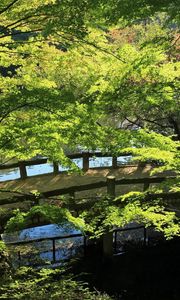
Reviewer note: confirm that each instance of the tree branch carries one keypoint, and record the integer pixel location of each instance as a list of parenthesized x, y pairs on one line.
[(155, 123), (18, 22), (8, 6), (21, 32), (136, 122), (176, 127), (83, 41), (12, 110), (5, 162)]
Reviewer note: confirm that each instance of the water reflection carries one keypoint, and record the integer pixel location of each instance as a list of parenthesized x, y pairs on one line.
[(65, 249), (39, 169), (40, 252), (95, 162), (9, 174), (51, 230)]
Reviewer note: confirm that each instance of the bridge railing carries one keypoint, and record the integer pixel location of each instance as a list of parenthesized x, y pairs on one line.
[(85, 156), (110, 183)]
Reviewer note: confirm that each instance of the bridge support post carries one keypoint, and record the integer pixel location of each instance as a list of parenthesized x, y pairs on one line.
[(111, 187), (54, 250), (146, 186), (108, 237), (114, 162), (55, 167), (108, 245), (22, 168), (85, 161)]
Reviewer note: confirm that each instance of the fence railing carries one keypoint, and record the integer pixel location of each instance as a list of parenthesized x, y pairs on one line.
[(129, 229), (85, 238), (85, 156), (52, 239)]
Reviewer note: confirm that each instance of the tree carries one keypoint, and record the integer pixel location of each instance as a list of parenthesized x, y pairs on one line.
[(33, 39), (67, 81), (132, 11)]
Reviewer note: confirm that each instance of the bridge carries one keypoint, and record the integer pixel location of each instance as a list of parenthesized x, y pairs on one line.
[(89, 182), (113, 180)]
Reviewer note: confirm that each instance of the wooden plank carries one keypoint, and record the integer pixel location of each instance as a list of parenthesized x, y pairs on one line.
[(75, 155), (95, 154), (108, 245), (101, 184), (72, 189), (143, 180), (55, 167), (76, 188), (36, 162), (54, 249), (16, 199), (128, 229), (9, 166), (146, 186), (114, 162)]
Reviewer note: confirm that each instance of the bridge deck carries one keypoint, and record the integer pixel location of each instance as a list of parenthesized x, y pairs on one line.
[(49, 182)]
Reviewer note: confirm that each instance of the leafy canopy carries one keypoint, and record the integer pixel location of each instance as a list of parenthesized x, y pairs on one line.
[(73, 74)]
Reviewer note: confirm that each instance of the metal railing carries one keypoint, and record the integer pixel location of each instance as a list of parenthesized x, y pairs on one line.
[(85, 237), (52, 239)]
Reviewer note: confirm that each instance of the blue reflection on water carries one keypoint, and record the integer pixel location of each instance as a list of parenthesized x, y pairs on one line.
[(78, 162), (51, 230), (39, 169), (9, 174), (65, 248), (95, 162)]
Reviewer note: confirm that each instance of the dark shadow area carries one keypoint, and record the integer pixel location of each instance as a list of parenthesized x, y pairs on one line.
[(150, 273)]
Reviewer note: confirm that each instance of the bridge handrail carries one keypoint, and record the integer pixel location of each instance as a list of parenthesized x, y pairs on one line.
[(84, 155), (110, 183)]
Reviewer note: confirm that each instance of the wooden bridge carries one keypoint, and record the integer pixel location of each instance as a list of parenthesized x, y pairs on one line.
[(115, 180), (90, 182)]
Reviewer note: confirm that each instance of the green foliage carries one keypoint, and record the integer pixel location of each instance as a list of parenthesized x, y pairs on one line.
[(137, 10), (27, 283), (107, 214), (67, 81), (2, 246), (49, 213), (100, 80), (5, 264)]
